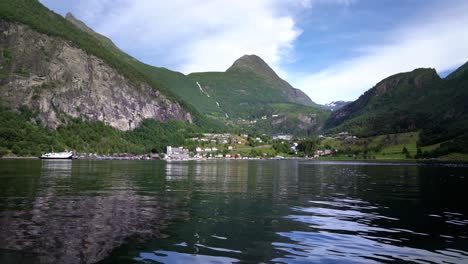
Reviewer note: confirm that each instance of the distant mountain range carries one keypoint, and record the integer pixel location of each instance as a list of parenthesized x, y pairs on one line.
[(335, 105), (61, 69)]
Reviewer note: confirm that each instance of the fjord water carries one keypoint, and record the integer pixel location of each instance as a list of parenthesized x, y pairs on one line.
[(232, 211)]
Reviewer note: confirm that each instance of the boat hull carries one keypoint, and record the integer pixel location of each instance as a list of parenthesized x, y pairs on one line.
[(55, 158), (59, 155)]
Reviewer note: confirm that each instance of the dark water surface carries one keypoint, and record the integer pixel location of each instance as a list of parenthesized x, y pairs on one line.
[(232, 211)]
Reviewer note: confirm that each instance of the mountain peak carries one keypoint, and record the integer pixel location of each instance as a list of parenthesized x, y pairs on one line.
[(78, 23), (256, 65), (252, 63), (417, 78), (83, 27)]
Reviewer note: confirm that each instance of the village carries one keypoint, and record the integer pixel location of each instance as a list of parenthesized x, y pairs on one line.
[(211, 146)]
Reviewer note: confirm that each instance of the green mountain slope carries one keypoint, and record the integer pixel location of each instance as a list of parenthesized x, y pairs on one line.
[(417, 100), (458, 73), (251, 91), (247, 86), (252, 64)]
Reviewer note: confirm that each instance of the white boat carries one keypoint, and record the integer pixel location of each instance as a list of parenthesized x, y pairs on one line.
[(58, 155)]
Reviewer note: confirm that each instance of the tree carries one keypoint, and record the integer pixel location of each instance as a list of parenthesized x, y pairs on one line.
[(308, 146), (3, 151), (406, 152)]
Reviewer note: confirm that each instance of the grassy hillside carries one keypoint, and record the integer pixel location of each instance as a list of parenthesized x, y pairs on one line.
[(418, 100), (398, 146)]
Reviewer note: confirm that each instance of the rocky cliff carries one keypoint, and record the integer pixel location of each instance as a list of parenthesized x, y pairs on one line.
[(59, 81)]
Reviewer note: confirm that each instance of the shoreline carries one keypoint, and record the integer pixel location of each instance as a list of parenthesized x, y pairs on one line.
[(260, 159)]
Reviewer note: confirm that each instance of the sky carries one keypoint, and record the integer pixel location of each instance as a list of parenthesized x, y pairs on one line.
[(330, 49)]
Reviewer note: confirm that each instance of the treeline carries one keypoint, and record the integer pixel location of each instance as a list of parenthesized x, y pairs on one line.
[(22, 134), (457, 145)]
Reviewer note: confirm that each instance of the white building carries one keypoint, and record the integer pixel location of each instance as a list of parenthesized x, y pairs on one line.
[(283, 137), (177, 153)]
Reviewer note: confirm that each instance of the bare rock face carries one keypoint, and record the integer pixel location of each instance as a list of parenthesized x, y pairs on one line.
[(60, 81)]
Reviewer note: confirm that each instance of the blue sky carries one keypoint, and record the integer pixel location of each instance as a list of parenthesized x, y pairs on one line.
[(331, 49)]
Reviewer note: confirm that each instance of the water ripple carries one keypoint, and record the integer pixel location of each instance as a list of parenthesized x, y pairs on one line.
[(343, 231)]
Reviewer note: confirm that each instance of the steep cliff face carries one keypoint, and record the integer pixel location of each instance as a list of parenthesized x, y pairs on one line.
[(60, 81)]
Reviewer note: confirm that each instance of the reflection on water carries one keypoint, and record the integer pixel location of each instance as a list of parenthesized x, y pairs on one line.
[(56, 168), (66, 223), (231, 211)]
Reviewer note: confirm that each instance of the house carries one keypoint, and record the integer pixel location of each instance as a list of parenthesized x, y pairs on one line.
[(325, 152), (282, 137), (198, 149), (230, 148), (294, 147), (214, 149)]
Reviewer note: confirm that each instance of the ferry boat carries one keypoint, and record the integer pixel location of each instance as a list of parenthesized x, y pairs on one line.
[(58, 155)]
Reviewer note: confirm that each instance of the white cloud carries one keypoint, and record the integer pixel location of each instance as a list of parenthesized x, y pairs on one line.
[(439, 42), (197, 35)]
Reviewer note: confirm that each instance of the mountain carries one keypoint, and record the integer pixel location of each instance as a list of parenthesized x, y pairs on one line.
[(63, 86), (250, 91), (59, 81), (63, 72), (411, 101), (335, 105), (248, 64)]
